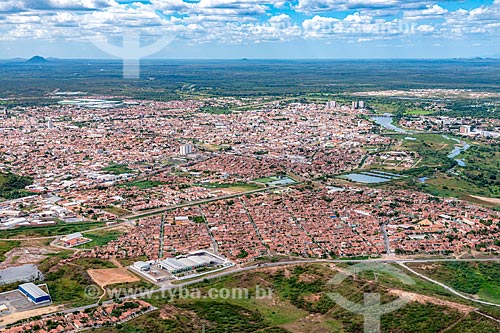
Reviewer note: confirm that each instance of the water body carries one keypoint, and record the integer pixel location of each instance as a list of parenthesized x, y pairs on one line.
[(372, 177), (386, 122), (457, 151), (423, 179), (366, 179)]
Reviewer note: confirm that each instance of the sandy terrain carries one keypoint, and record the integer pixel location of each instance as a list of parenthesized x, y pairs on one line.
[(422, 299), (107, 276), (12, 318), (493, 201)]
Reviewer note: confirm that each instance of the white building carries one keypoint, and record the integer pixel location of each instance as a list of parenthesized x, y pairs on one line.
[(186, 149), (331, 104)]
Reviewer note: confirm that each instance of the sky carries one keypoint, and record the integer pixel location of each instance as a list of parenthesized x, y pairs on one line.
[(235, 29)]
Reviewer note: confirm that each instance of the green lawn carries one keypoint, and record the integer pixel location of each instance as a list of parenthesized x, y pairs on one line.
[(116, 210), (266, 180), (117, 169), (100, 238), (243, 187), (142, 184), (49, 231)]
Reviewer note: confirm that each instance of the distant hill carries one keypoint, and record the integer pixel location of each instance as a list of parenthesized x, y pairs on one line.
[(37, 60)]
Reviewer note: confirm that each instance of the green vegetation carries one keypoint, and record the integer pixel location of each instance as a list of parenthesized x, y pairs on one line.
[(6, 246), (478, 177), (482, 165), (67, 282), (256, 78), (445, 177), (416, 317), (117, 169), (299, 303), (100, 238), (115, 291), (60, 228), (235, 186), (12, 186), (116, 210), (143, 184), (398, 107), (481, 279), (216, 110), (266, 180)]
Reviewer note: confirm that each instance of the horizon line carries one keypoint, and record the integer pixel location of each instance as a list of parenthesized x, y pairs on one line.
[(249, 59)]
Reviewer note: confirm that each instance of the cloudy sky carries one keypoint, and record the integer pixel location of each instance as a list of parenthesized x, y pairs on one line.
[(252, 28)]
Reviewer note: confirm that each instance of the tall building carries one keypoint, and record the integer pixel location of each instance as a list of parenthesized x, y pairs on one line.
[(186, 149), (361, 104), (354, 104), (464, 129), (331, 104)]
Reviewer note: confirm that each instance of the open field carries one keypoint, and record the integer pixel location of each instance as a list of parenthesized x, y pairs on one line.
[(14, 317), (25, 255), (101, 237), (299, 304), (261, 77), (116, 210), (6, 246), (118, 169), (108, 276), (443, 176), (142, 184), (49, 231), (493, 201), (481, 280)]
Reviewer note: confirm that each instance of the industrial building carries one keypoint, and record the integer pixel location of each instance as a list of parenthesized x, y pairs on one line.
[(34, 293), (190, 262), (74, 239)]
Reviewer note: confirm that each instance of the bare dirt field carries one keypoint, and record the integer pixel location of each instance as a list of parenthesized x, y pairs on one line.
[(12, 318), (24, 255), (493, 201), (107, 276), (422, 299)]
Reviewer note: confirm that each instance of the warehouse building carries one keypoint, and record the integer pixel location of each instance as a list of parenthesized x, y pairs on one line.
[(34, 293), (190, 262)]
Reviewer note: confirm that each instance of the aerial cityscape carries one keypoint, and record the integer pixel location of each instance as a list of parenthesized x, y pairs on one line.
[(277, 189)]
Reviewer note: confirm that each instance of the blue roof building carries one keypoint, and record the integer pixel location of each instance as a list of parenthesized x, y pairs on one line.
[(34, 293)]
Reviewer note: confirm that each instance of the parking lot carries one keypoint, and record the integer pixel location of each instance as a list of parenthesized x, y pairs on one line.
[(17, 302)]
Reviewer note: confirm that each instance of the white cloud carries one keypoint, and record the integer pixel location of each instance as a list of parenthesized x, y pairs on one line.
[(243, 21), (425, 28)]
